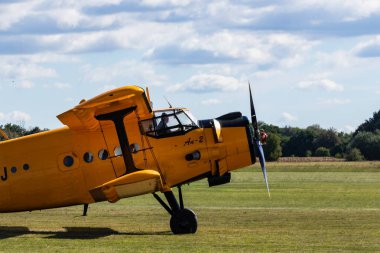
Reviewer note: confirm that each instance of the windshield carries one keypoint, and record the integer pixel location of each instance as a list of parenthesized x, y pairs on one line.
[(168, 123)]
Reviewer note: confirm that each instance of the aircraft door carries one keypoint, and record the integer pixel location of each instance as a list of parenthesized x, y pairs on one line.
[(115, 126)]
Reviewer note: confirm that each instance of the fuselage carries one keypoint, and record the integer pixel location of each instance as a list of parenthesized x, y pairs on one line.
[(60, 167)]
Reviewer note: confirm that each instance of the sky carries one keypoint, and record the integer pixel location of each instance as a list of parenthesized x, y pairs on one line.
[(309, 62)]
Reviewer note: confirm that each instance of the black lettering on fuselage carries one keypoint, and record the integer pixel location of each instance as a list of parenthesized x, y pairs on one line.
[(5, 176), (191, 141)]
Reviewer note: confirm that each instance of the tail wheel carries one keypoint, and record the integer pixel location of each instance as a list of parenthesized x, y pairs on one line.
[(184, 221)]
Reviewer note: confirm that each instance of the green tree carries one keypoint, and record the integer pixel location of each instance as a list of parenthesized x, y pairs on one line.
[(15, 131), (328, 139), (368, 143), (272, 148), (299, 143), (269, 128), (322, 151), (370, 125), (343, 143), (354, 155), (35, 130)]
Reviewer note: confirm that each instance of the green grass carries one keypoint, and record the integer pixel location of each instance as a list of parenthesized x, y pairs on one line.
[(314, 207)]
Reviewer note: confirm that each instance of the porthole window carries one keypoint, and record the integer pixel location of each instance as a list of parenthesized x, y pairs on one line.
[(25, 166), (117, 151), (134, 148), (13, 170), (68, 161), (88, 157), (103, 154)]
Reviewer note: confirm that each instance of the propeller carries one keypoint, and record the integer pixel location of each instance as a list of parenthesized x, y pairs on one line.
[(256, 139)]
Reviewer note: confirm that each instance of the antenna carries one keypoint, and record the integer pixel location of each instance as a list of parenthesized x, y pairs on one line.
[(170, 106)]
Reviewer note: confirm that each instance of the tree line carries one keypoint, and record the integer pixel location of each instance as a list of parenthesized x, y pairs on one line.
[(17, 130), (362, 144)]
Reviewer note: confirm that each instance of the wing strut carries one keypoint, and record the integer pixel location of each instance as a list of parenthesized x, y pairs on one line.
[(2, 133), (118, 119)]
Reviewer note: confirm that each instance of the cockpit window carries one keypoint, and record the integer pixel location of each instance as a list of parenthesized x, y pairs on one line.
[(168, 123)]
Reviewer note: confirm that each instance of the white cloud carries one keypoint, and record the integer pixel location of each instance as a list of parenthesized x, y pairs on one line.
[(345, 10), (324, 84), (24, 84), (156, 3), (211, 101), (190, 44), (68, 17), (12, 13), (227, 12), (241, 47), (208, 83), (336, 59), (22, 69), (369, 48), (134, 72), (335, 101), (62, 85), (288, 117), (15, 116), (349, 128)]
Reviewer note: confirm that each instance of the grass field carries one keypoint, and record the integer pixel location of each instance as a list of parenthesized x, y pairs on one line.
[(315, 207)]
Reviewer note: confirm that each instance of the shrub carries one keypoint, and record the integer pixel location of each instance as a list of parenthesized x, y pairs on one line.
[(272, 148), (354, 155), (368, 143), (322, 151)]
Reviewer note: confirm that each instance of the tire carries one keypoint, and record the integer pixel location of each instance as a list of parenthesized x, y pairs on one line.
[(184, 221)]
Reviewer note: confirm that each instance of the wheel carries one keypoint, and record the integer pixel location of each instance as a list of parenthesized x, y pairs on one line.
[(184, 221)]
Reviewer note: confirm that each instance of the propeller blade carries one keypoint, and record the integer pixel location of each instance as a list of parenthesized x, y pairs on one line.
[(257, 139), (253, 114), (262, 163)]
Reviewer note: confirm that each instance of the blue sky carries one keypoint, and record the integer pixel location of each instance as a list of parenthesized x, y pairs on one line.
[(309, 62)]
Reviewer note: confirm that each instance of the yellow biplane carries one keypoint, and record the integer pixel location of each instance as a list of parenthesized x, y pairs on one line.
[(115, 146)]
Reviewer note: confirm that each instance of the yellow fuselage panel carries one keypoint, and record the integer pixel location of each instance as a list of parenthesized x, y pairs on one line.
[(34, 174), (237, 147), (170, 153)]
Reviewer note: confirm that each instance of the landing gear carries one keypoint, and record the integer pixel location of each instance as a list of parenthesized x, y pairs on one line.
[(85, 209), (183, 220)]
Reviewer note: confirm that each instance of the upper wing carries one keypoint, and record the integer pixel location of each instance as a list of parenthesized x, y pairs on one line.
[(83, 115)]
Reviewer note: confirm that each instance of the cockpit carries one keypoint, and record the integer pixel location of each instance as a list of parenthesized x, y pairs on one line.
[(169, 122)]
